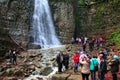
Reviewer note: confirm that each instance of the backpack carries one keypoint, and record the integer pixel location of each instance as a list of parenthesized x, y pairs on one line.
[(95, 66)]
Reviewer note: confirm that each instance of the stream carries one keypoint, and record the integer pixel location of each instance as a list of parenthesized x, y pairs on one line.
[(48, 54)]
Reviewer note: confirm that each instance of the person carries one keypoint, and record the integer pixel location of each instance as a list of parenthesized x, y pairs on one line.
[(83, 55), (100, 54), (102, 67), (84, 47), (85, 39), (82, 40), (114, 64), (91, 44), (85, 69), (65, 60), (59, 60), (81, 52), (101, 41), (93, 66), (14, 56), (76, 61), (10, 55), (97, 42), (105, 53), (72, 40), (79, 40)]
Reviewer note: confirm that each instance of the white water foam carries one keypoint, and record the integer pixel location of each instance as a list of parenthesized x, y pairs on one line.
[(48, 77)]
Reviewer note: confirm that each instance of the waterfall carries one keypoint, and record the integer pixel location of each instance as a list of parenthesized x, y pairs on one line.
[(43, 31)]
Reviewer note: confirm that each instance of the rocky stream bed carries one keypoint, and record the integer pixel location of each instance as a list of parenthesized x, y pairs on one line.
[(40, 64)]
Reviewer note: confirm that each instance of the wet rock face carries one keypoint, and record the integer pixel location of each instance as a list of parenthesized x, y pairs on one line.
[(63, 18), (15, 17)]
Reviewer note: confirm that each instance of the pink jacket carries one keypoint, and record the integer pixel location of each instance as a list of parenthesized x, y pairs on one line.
[(86, 67)]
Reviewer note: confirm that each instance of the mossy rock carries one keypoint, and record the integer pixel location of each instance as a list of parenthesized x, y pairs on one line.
[(18, 73), (60, 77), (47, 71), (9, 73)]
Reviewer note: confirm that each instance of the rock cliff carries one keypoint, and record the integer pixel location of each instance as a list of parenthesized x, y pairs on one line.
[(16, 19), (71, 18)]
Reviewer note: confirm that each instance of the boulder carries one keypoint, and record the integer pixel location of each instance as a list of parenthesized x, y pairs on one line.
[(60, 76), (32, 67), (38, 65), (74, 77), (47, 71), (33, 46), (19, 73)]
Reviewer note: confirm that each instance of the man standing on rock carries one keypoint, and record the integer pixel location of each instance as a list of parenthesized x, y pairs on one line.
[(14, 56), (65, 60), (59, 61)]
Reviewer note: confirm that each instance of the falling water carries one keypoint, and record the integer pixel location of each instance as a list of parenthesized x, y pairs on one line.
[(43, 31)]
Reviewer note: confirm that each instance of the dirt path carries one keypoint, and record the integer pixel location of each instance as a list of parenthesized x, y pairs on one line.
[(78, 76)]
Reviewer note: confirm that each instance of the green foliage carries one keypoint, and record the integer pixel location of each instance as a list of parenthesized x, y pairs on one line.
[(98, 22), (115, 5), (100, 9), (80, 1), (115, 37)]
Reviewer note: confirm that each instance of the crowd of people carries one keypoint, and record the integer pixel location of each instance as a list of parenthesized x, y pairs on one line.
[(98, 40), (90, 63)]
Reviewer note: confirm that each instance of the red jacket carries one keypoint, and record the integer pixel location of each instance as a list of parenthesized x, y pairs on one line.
[(76, 58)]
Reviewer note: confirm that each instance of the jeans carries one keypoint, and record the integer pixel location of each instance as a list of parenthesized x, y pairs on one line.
[(93, 75), (60, 67), (75, 66), (101, 75)]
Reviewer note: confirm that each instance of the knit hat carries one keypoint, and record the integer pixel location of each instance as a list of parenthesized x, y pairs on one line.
[(115, 57)]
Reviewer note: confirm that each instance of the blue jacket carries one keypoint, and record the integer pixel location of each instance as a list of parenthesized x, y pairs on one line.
[(93, 62)]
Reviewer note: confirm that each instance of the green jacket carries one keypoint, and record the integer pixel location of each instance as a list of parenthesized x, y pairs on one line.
[(93, 63)]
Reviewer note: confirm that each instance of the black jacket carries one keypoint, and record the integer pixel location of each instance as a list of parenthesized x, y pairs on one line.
[(114, 66), (65, 59), (103, 66), (59, 59)]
